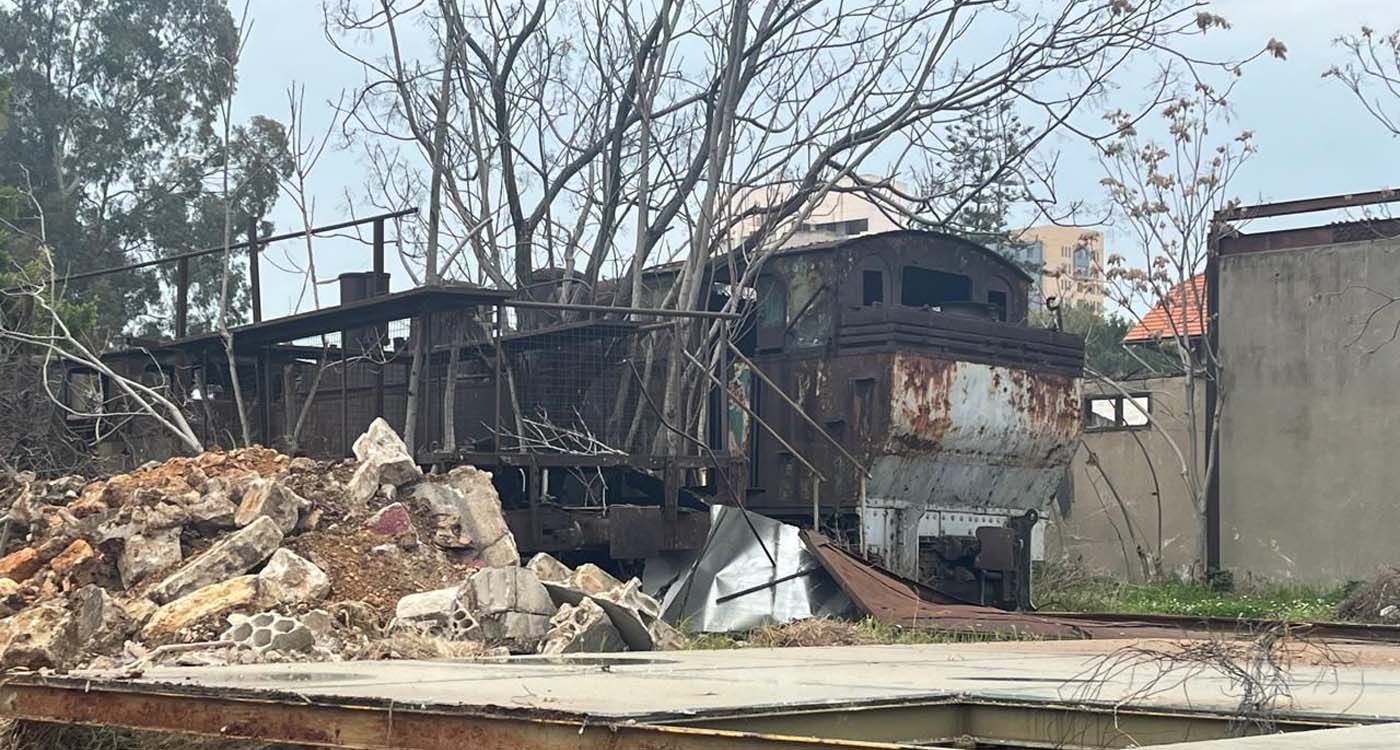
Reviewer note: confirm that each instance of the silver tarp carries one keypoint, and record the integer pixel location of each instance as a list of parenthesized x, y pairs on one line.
[(733, 561)]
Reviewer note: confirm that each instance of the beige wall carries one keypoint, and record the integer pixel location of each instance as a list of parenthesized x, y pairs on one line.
[(1309, 476), (830, 219), (1094, 528), (1058, 277)]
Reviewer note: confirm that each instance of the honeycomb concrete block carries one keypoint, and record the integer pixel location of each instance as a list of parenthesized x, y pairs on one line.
[(269, 631)]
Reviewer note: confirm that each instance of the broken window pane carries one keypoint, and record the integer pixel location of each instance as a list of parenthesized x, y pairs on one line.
[(1102, 413), (1135, 411)]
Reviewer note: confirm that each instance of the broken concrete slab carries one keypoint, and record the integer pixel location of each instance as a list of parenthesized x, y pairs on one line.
[(630, 595), (504, 605), (289, 578), (235, 554), (582, 628), (100, 623), (147, 553), (446, 507), (430, 608), (592, 580), (272, 499), (39, 637), (207, 603), (213, 512), (548, 569), (482, 520)]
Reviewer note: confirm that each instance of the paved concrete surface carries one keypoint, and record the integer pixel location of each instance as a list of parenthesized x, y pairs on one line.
[(661, 685), (1382, 737)]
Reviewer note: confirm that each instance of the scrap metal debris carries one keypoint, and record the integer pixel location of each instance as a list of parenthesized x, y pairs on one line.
[(250, 555)]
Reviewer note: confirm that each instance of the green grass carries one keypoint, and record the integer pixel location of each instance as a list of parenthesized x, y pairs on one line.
[(1092, 594), (824, 632)]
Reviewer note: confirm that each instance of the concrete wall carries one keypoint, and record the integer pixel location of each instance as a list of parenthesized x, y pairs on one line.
[(1310, 435), (1091, 526)]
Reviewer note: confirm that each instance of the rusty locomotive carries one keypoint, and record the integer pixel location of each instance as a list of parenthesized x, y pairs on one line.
[(885, 388)]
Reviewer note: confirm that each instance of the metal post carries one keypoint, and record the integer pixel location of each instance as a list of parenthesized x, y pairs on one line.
[(670, 510), (726, 379), (378, 250), (534, 480), (265, 394), (499, 354), (182, 298), (345, 398), (425, 393), (381, 332), (816, 503), (254, 282)]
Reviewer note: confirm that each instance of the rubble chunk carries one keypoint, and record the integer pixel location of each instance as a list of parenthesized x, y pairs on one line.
[(548, 569), (269, 631), (384, 459), (214, 511), (430, 608), (289, 578), (233, 555), (146, 553), (101, 624), (272, 499), (21, 565), (482, 519), (446, 507), (509, 605), (74, 558), (39, 637), (584, 627), (631, 596), (392, 521), (210, 602), (591, 579)]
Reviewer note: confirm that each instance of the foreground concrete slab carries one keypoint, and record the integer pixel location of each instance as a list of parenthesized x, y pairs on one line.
[(898, 695)]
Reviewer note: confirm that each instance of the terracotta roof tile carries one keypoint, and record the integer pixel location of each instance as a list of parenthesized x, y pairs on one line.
[(1182, 308)]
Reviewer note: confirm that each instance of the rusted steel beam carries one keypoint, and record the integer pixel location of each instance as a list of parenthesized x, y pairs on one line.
[(705, 314), (369, 727), (1308, 205), (235, 246)]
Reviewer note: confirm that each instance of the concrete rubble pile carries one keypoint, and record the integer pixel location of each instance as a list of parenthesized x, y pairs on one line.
[(249, 555)]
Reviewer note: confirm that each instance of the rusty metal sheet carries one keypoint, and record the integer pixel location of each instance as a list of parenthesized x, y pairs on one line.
[(901, 602), (965, 434)]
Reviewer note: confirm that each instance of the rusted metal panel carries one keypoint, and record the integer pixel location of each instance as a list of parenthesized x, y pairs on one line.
[(971, 435), (899, 601), (269, 716)]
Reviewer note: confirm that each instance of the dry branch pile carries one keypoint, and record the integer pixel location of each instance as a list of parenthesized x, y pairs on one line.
[(249, 555)]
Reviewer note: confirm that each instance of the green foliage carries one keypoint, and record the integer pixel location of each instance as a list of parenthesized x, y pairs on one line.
[(977, 188), (1104, 350), (114, 127), (1101, 594)]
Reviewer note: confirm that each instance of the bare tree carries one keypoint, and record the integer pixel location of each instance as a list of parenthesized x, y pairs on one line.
[(32, 319), (1166, 192), (581, 137), (1372, 73), (226, 112)]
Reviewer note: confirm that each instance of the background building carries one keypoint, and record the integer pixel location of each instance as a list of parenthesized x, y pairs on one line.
[(1069, 259)]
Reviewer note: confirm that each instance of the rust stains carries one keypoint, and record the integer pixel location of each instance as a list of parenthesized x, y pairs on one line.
[(923, 388)]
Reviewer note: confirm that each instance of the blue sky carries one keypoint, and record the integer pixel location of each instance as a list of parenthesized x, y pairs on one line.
[(1312, 136)]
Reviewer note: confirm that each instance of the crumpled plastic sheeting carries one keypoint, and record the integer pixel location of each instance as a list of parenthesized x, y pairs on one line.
[(732, 560)]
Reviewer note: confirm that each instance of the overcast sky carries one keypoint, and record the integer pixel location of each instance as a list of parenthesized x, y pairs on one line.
[(1313, 138)]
